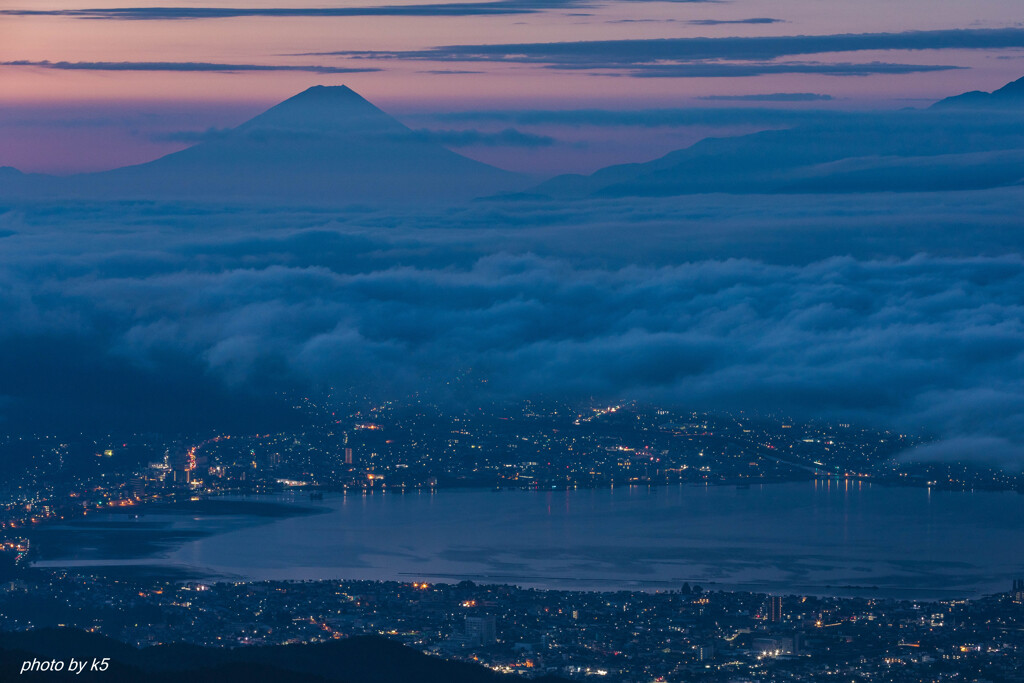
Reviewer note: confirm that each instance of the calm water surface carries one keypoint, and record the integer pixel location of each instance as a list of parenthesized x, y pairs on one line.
[(827, 538)]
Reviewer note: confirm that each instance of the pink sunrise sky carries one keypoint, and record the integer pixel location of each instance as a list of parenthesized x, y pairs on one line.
[(66, 120)]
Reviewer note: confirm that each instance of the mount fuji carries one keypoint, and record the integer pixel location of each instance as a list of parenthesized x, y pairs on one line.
[(326, 145)]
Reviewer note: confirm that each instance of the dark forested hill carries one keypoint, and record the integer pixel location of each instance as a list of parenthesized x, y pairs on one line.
[(362, 659)]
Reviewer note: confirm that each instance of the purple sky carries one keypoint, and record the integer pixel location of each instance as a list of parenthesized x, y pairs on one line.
[(104, 89)]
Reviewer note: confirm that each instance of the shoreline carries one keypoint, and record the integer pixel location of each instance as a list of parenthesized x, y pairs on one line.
[(166, 553), (145, 571)]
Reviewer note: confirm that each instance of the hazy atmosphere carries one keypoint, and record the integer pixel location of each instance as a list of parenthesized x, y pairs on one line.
[(396, 340), (94, 85)]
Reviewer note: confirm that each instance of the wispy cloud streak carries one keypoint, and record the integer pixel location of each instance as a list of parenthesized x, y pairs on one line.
[(183, 66), (718, 57), (413, 10)]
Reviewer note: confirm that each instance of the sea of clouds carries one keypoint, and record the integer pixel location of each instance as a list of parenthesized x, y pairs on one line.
[(902, 311)]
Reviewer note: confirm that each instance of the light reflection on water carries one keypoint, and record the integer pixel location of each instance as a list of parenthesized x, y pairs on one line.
[(827, 537)]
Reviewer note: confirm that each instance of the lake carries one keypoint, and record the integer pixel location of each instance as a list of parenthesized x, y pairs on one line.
[(828, 538)]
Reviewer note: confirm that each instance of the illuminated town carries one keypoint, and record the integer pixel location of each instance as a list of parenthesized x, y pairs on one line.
[(412, 446), (670, 634), (419, 446), (677, 635)]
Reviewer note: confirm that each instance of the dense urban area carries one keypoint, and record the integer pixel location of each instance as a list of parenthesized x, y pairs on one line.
[(683, 634), (676, 635), (416, 445)]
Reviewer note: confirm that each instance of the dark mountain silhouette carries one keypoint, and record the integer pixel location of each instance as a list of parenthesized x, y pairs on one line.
[(905, 151), (362, 659), (1010, 96), (326, 145)]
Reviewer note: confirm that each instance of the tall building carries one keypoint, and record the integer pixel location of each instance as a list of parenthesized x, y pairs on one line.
[(181, 467), (1018, 591), (775, 608), (348, 456), (481, 630)]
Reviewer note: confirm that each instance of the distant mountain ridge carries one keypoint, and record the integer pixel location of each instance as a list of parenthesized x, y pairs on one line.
[(1009, 96), (326, 145), (330, 146), (934, 150)]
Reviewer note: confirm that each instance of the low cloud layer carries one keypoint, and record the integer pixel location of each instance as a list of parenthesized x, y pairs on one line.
[(652, 118), (509, 137), (900, 311), (685, 70), (466, 137), (726, 22), (746, 70), (772, 97)]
